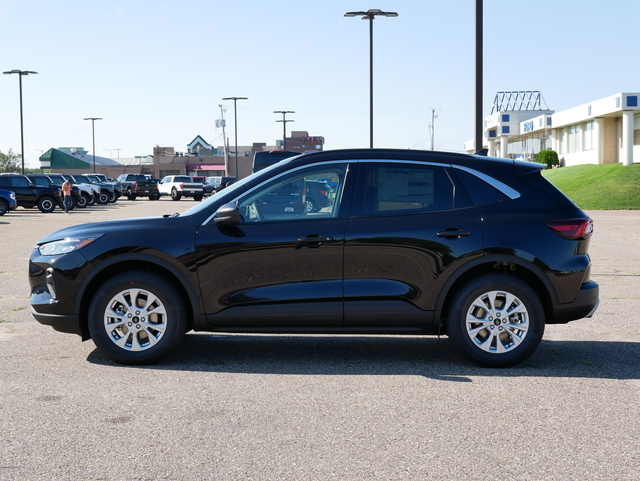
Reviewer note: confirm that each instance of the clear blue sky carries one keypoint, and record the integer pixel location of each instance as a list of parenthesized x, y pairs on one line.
[(156, 71)]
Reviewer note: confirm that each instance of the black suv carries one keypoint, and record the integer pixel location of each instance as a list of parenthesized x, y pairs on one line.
[(28, 195), (43, 180), (482, 249)]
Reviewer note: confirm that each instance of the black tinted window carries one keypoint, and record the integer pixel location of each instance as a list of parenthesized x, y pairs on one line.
[(398, 188), (481, 192), (20, 182)]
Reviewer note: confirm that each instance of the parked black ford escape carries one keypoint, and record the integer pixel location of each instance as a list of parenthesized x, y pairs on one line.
[(484, 250)]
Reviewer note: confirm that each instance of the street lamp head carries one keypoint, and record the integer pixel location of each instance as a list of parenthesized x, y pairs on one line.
[(92, 118), (235, 98), (20, 72), (370, 14)]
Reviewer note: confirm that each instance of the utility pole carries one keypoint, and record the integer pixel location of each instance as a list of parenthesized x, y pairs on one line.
[(432, 126), (224, 140), (284, 125)]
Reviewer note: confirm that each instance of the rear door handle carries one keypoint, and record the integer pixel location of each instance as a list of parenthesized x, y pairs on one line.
[(454, 233)]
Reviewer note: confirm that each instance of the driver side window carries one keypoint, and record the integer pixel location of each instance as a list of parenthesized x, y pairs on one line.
[(310, 193)]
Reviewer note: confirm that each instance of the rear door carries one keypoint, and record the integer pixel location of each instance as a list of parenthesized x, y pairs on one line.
[(412, 225)]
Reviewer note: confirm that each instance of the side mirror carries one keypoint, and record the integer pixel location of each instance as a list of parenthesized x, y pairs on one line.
[(227, 214)]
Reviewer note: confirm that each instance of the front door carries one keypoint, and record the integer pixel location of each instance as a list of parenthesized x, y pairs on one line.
[(282, 265)]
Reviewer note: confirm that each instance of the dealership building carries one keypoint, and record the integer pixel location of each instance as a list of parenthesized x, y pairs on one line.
[(603, 131)]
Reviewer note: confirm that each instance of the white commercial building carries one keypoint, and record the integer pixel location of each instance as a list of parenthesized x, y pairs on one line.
[(604, 131)]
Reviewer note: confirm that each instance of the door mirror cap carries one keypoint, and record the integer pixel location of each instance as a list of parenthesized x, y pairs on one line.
[(227, 214)]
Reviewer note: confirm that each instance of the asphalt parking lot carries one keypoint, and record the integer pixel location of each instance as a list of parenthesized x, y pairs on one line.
[(264, 407)]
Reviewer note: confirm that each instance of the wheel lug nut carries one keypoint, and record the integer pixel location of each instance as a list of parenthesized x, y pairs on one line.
[(130, 324)]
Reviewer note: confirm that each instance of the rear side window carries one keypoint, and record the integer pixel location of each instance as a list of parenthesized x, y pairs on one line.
[(20, 182), (481, 192), (390, 188)]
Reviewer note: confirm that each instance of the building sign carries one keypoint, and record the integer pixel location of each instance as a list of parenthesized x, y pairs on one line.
[(528, 126)]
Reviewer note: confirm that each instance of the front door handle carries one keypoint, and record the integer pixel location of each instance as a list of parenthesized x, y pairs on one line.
[(314, 240), (454, 233)]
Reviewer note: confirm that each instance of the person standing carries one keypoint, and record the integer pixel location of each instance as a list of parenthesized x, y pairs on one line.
[(66, 191)]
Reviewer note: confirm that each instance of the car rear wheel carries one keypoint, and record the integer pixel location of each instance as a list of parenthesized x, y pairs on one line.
[(136, 318), (175, 195), (46, 204), (496, 321), (103, 198)]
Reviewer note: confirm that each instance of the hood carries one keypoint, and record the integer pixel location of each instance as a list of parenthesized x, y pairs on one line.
[(111, 226)]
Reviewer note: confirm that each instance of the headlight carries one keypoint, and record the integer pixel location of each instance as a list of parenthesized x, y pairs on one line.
[(12, 195), (68, 244)]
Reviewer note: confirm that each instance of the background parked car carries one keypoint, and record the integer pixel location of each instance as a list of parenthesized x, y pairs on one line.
[(43, 180), (226, 182), (263, 159), (211, 185), (28, 195), (7, 201), (88, 193)]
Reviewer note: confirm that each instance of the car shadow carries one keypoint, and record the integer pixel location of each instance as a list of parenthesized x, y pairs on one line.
[(385, 355)]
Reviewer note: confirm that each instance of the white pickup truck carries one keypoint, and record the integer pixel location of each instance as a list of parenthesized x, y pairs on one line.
[(178, 186)]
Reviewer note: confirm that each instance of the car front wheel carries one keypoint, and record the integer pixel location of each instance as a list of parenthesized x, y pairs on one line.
[(136, 318), (496, 321), (4, 207)]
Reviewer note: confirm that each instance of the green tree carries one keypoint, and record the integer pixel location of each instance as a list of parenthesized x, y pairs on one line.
[(9, 162), (549, 157)]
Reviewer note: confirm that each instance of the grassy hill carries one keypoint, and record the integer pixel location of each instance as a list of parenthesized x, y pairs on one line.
[(599, 187)]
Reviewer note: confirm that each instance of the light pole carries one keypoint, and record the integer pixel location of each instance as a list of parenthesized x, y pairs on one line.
[(235, 114), (370, 15), (284, 125), (20, 74), (93, 133), (478, 130)]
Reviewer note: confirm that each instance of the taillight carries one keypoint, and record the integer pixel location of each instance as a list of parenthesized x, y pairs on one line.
[(572, 229), (181, 186), (135, 186), (323, 192)]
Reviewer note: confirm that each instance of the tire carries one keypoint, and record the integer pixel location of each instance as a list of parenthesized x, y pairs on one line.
[(476, 321), (136, 334), (310, 206), (81, 202), (113, 198), (103, 198), (46, 204), (131, 195), (154, 197), (91, 199), (175, 195), (197, 197), (4, 207)]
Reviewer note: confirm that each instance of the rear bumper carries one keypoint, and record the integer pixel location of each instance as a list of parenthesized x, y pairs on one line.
[(584, 305)]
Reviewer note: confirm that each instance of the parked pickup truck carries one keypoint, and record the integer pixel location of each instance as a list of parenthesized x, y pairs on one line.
[(178, 186), (138, 185)]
